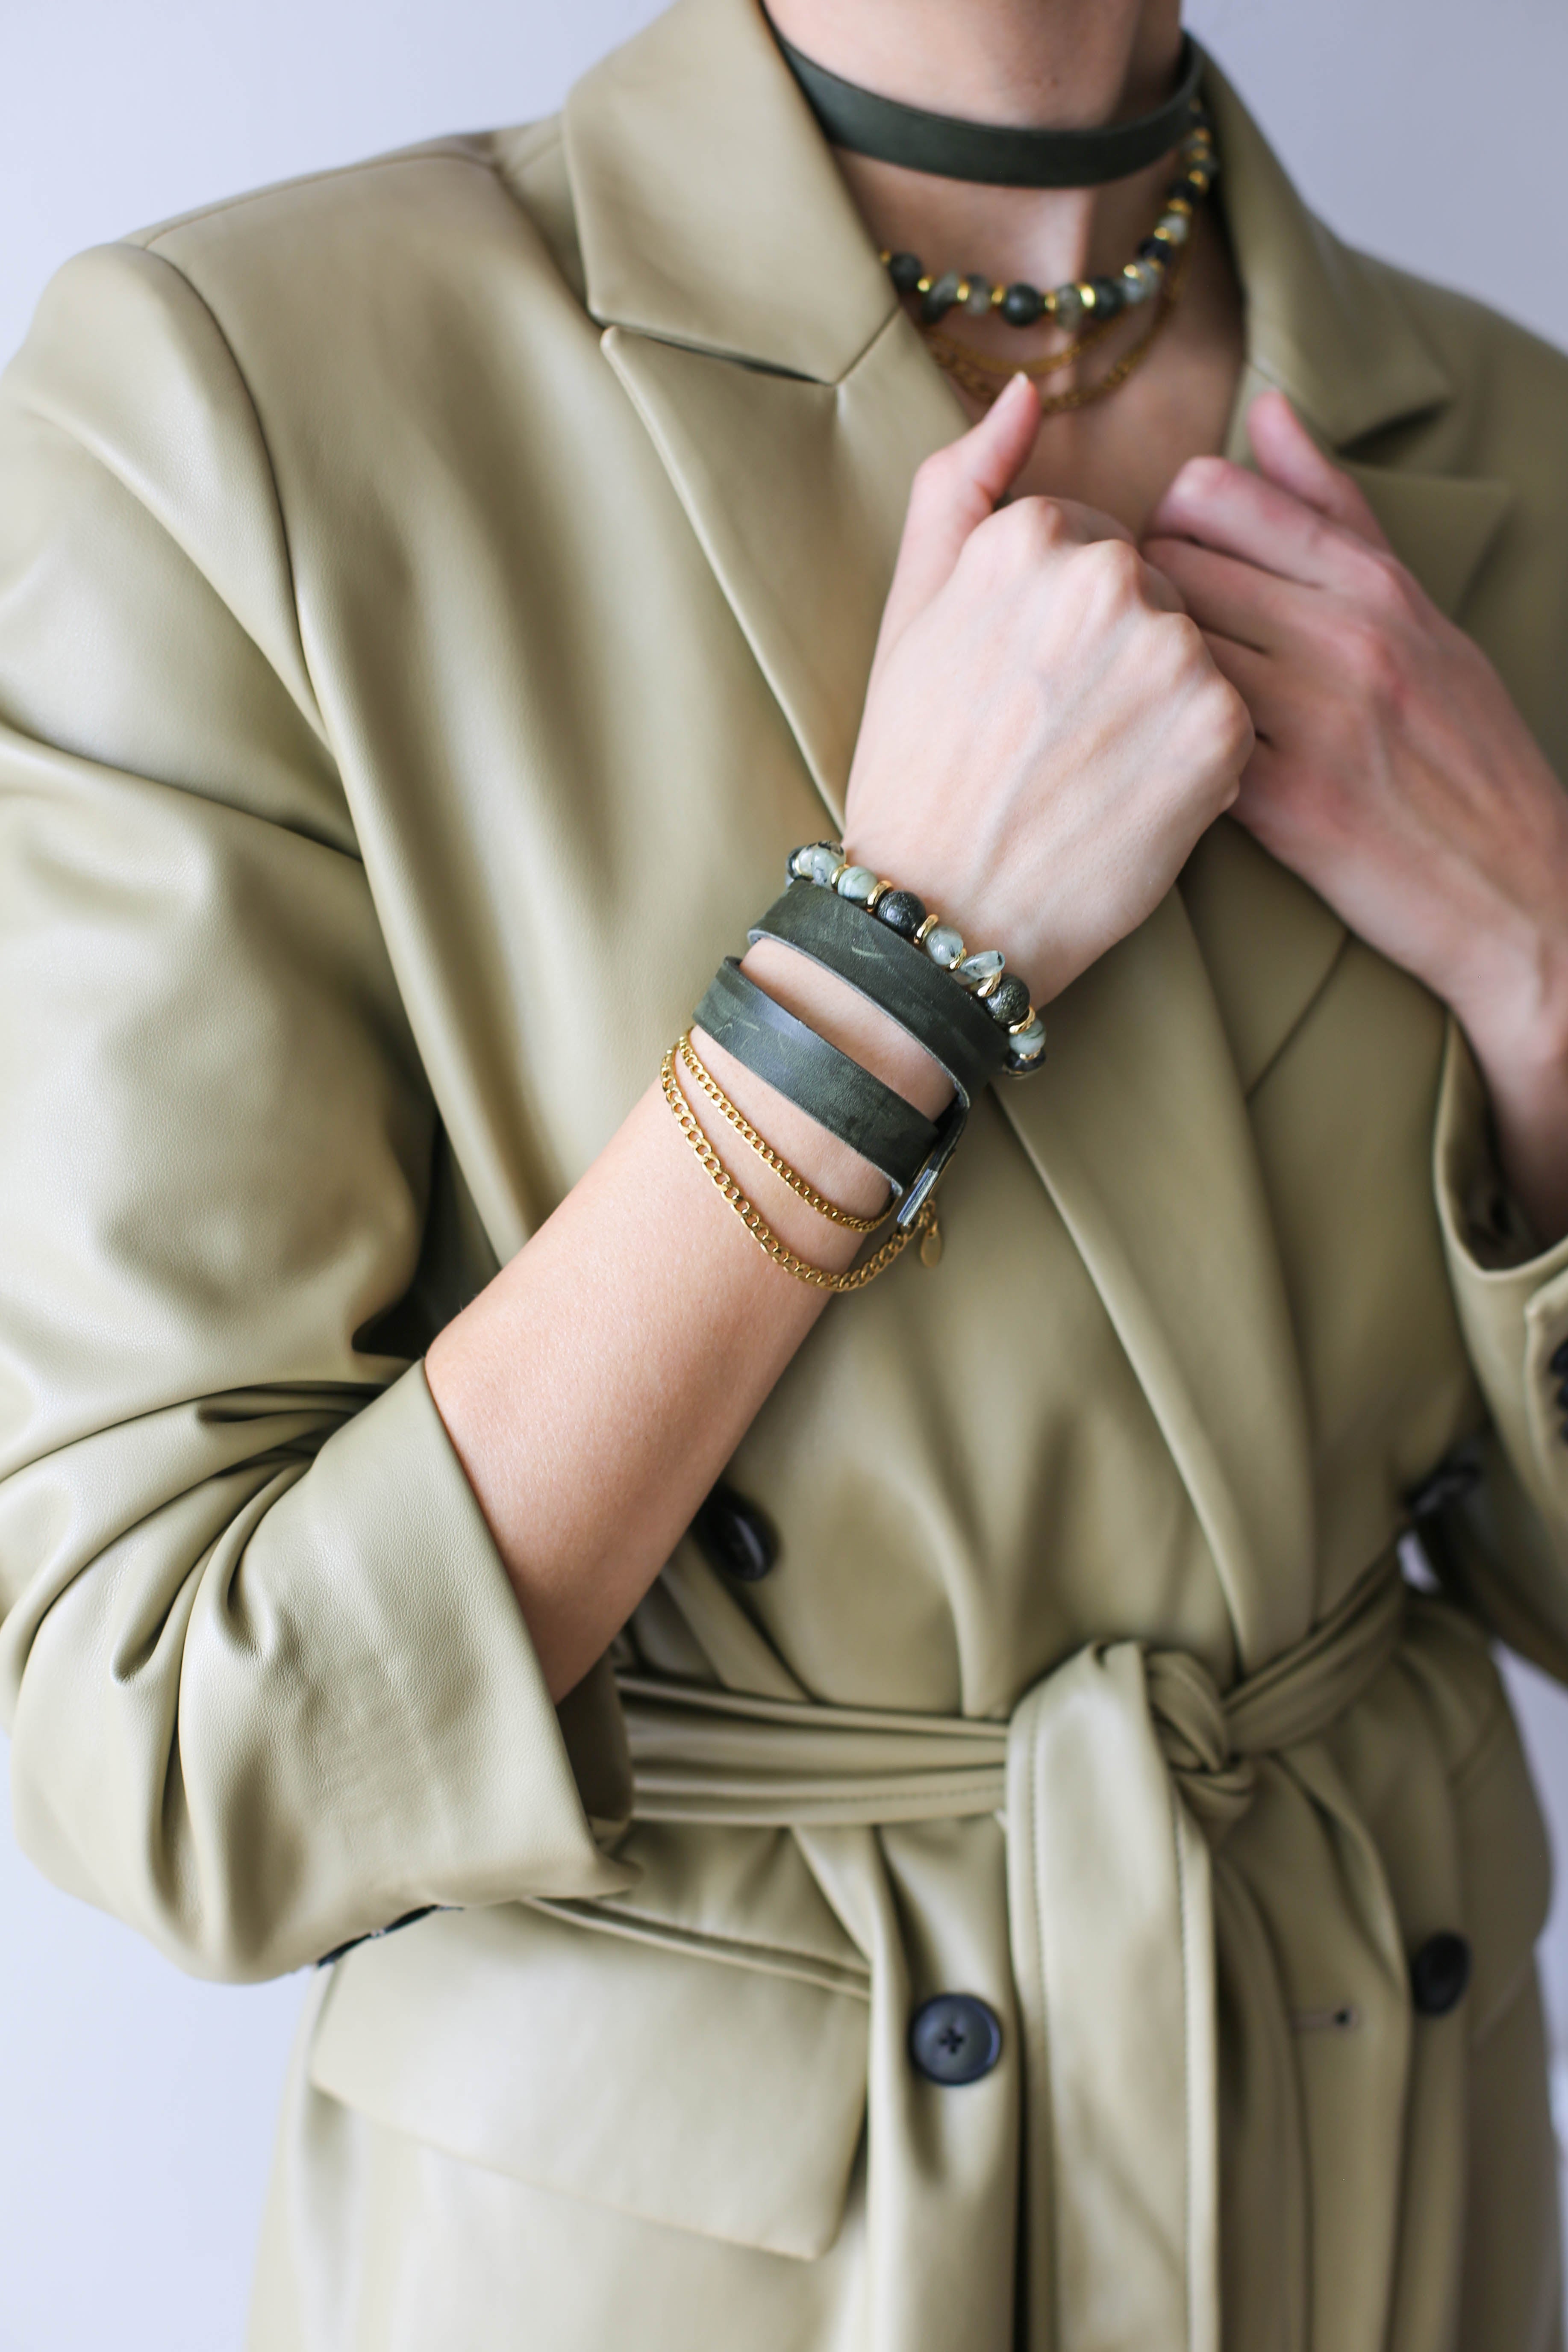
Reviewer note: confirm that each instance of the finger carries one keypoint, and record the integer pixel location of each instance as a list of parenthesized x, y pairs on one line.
[(1159, 584), (953, 493), (1288, 456), (1256, 608), (1255, 678), (1222, 506), (1088, 524)]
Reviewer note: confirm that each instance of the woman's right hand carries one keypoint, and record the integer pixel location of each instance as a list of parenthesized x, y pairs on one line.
[(1046, 735)]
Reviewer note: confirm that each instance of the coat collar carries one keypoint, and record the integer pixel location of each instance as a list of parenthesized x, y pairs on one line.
[(709, 211), (790, 399)]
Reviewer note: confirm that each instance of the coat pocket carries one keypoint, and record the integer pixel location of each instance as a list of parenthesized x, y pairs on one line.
[(720, 2093)]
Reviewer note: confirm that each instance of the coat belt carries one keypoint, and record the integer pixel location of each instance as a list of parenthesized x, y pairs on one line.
[(1116, 1775)]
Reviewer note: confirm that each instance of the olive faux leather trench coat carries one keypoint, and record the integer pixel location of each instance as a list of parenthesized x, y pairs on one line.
[(433, 597)]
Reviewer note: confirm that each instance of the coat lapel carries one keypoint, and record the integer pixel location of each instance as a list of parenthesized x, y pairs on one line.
[(790, 400)]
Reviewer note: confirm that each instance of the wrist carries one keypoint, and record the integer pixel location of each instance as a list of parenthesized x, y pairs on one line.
[(1514, 1011), (831, 1168)]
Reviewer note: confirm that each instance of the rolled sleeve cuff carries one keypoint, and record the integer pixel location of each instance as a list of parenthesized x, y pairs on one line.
[(1512, 1295)]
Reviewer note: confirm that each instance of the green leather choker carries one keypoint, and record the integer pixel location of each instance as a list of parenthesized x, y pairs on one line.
[(1000, 155)]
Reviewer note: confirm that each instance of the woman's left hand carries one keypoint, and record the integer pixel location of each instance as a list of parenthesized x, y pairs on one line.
[(1392, 771)]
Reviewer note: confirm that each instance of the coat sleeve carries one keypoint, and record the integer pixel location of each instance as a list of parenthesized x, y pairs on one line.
[(1505, 1543), (267, 1683)]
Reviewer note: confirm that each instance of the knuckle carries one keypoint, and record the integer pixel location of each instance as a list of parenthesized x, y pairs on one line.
[(1036, 525), (1110, 568), (935, 475), (1205, 475), (1366, 651), (1384, 585)]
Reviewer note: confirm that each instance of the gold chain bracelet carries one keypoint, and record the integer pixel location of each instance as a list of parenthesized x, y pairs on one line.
[(764, 1151), (760, 1232)]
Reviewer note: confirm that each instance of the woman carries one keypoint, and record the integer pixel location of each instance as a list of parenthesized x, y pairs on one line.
[(1071, 1894)]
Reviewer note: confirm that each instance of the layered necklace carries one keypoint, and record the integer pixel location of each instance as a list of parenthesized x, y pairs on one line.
[(1003, 156)]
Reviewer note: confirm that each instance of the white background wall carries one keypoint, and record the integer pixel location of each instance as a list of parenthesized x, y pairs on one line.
[(135, 2108)]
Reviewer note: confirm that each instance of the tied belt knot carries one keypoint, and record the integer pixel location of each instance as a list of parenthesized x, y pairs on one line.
[(1117, 1777)]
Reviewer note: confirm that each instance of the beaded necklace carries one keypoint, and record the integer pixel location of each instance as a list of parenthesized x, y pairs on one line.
[(1084, 308)]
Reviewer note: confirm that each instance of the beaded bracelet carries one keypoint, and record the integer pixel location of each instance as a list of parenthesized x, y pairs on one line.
[(983, 974)]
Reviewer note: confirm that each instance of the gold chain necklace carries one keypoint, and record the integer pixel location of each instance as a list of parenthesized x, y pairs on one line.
[(984, 378)]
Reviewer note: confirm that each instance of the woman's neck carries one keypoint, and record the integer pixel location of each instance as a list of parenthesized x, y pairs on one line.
[(1068, 63), (1064, 62)]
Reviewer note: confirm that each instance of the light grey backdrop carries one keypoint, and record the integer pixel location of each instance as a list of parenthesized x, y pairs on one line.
[(136, 2108)]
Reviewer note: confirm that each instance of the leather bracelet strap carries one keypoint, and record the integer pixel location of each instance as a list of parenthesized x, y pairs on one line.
[(846, 1099), (957, 1032), (954, 1026)]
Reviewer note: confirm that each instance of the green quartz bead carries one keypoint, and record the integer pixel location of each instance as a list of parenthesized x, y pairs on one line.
[(984, 965), (944, 946), (857, 884), (1028, 1046), (819, 861)]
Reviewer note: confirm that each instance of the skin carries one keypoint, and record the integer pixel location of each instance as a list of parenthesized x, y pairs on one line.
[(1054, 717)]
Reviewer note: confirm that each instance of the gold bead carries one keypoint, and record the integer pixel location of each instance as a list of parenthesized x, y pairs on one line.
[(929, 925), (922, 285), (1179, 204)]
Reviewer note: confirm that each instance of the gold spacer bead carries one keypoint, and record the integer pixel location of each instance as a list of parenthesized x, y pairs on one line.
[(1013, 1027), (922, 285), (989, 987), (998, 296), (881, 890), (1179, 204), (884, 258), (929, 925), (964, 292)]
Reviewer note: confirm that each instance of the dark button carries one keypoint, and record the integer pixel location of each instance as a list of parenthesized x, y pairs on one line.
[(734, 1537), (1559, 1358), (955, 2038), (1440, 1974), (1449, 1484)]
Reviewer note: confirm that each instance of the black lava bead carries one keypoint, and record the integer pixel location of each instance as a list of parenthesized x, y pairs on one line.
[(1008, 1001), (1155, 249), (905, 272), (1023, 305), (902, 911)]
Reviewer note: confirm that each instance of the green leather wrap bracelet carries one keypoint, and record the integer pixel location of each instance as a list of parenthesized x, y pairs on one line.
[(846, 1099), (954, 1028)]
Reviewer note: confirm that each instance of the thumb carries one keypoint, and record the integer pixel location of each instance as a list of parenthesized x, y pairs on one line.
[(952, 494), (1287, 456)]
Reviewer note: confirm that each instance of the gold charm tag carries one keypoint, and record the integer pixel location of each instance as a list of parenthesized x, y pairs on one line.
[(931, 1243)]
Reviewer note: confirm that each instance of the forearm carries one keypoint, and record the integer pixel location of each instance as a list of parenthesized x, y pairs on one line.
[(597, 1388)]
